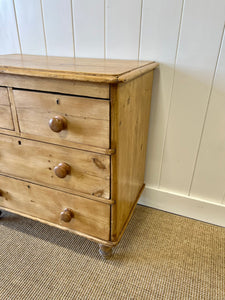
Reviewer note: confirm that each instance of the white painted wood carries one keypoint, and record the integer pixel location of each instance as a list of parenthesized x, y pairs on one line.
[(9, 42), (58, 27), (201, 31), (89, 28), (160, 28), (122, 28), (30, 26), (183, 205), (209, 177)]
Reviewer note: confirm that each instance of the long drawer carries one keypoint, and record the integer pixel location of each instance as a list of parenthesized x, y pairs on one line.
[(5, 110), (55, 166), (75, 119), (88, 216)]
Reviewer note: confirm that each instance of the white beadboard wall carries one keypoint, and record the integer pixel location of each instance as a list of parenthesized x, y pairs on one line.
[(185, 170)]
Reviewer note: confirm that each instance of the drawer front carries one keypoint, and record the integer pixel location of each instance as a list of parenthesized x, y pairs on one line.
[(89, 217), (85, 120), (5, 110), (87, 172)]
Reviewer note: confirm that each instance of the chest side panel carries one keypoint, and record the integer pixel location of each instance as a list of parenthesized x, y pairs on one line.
[(129, 130)]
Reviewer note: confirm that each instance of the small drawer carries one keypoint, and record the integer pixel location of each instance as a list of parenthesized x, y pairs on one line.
[(63, 118), (6, 121), (65, 210), (56, 166)]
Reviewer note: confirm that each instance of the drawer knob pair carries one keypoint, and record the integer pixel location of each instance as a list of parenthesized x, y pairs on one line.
[(67, 215), (58, 123), (62, 170)]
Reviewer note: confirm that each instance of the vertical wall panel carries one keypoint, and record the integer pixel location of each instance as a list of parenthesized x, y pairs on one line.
[(9, 42), (122, 28), (209, 177), (160, 27), (200, 38), (30, 26), (58, 27), (89, 28)]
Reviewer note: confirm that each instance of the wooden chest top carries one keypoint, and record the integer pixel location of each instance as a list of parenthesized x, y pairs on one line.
[(82, 69)]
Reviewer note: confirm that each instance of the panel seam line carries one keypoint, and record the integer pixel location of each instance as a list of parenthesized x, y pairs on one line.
[(17, 27), (140, 30), (43, 26), (172, 89), (73, 24)]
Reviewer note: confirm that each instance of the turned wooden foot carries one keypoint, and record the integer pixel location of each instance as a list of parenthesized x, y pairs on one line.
[(105, 251)]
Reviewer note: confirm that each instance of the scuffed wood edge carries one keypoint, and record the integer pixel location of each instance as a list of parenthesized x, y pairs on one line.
[(137, 72)]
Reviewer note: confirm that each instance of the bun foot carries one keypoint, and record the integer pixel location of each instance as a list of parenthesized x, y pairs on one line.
[(105, 251)]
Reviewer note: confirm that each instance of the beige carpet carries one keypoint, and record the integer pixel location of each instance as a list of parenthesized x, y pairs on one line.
[(161, 256)]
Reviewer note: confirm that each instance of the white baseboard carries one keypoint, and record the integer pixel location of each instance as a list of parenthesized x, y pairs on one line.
[(183, 205)]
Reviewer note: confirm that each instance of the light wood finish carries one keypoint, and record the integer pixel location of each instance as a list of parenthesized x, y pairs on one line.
[(68, 191), (66, 143), (13, 111), (77, 119), (5, 111), (90, 89), (82, 69), (80, 132), (90, 217), (57, 141), (129, 129), (114, 218), (90, 172)]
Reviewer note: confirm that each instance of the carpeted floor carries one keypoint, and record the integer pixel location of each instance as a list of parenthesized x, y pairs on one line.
[(161, 256)]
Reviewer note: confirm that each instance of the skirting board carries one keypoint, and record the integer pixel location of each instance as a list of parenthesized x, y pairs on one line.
[(183, 205)]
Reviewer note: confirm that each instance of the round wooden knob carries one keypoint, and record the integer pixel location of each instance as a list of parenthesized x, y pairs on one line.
[(62, 170), (58, 123), (67, 215)]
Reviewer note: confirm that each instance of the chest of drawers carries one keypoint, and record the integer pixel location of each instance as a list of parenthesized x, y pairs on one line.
[(73, 138)]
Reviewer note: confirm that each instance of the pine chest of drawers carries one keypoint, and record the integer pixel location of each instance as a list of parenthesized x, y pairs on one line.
[(73, 136)]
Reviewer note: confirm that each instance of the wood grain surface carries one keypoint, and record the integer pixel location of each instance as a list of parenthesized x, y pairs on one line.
[(90, 217), (129, 130), (36, 161), (5, 111), (87, 119), (82, 69)]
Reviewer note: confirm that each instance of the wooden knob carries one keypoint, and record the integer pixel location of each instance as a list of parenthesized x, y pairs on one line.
[(58, 123), (67, 215), (62, 170)]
